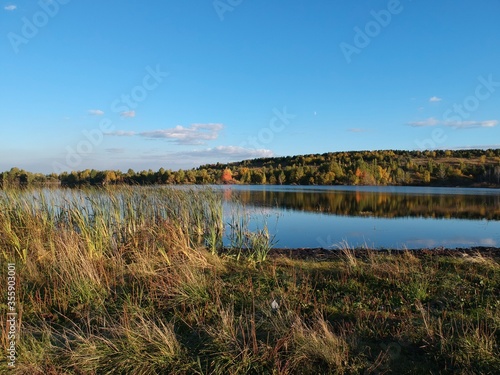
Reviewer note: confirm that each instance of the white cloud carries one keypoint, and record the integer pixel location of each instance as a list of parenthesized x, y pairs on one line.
[(488, 242), (10, 7), (196, 134), (455, 124), (115, 150), (128, 114), (435, 99), (156, 159), (357, 130), (121, 133), (96, 112), (478, 147), (472, 124), (234, 152), (193, 158), (429, 122)]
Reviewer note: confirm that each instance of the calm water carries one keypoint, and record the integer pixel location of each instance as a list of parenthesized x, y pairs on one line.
[(393, 217), (378, 217)]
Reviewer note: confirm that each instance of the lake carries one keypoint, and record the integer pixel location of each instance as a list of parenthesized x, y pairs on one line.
[(377, 217)]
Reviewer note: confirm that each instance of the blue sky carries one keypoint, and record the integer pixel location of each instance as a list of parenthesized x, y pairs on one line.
[(175, 84)]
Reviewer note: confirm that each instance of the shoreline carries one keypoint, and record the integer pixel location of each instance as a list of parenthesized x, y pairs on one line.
[(330, 254)]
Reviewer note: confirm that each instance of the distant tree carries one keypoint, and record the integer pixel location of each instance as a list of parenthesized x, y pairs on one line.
[(227, 176), (383, 176), (298, 174), (203, 177), (496, 174), (258, 177), (190, 177), (271, 179), (427, 177), (180, 175), (441, 172), (400, 176), (244, 175)]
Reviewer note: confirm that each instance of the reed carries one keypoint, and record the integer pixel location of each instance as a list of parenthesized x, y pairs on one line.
[(253, 245)]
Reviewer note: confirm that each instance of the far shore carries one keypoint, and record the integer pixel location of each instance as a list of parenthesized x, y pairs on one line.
[(322, 254)]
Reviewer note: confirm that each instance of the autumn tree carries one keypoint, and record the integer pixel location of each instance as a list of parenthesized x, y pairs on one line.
[(227, 176)]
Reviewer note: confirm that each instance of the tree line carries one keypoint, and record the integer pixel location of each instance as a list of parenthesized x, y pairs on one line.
[(385, 167)]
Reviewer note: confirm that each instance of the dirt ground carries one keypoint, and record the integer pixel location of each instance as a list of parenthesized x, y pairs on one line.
[(326, 254)]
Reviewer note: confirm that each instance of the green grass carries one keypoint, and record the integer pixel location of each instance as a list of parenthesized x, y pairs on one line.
[(135, 281)]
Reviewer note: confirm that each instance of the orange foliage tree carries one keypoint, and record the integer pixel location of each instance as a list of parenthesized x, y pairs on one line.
[(227, 176)]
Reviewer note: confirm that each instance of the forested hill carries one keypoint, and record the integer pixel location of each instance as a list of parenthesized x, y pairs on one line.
[(389, 167)]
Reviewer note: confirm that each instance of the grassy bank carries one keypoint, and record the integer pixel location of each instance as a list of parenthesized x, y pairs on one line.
[(135, 281)]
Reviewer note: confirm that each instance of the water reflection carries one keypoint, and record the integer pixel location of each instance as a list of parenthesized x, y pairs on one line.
[(397, 203)]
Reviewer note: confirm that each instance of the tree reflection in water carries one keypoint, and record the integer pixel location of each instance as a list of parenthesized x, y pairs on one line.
[(376, 203)]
